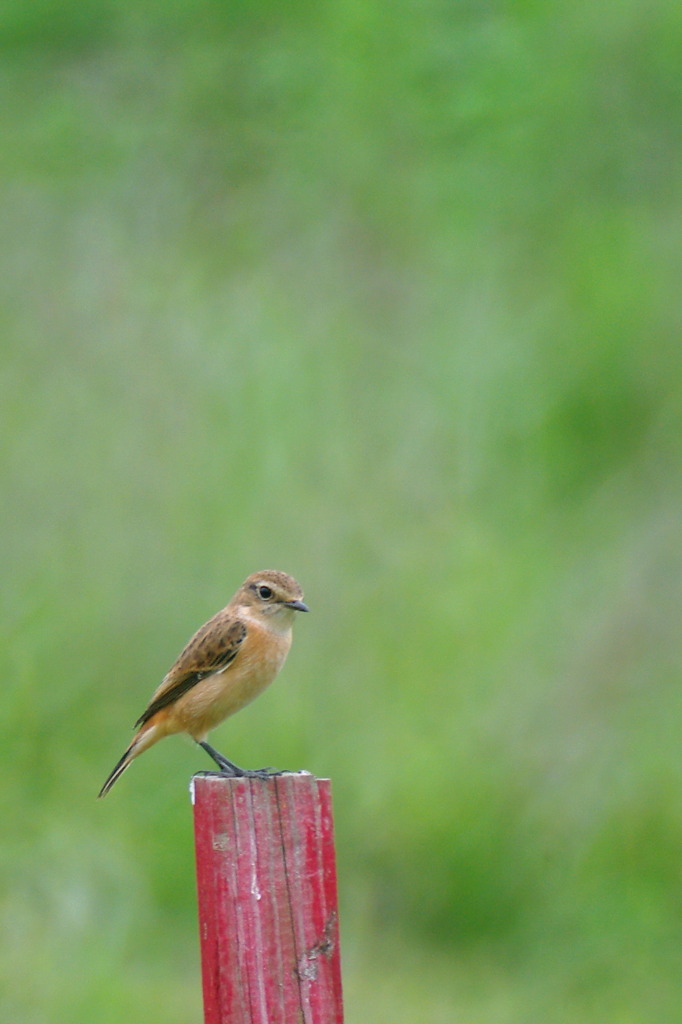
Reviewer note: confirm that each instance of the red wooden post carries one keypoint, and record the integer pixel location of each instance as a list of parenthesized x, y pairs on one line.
[(268, 916)]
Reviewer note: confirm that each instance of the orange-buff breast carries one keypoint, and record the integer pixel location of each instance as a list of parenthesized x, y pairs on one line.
[(224, 693)]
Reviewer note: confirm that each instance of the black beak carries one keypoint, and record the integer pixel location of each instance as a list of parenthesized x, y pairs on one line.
[(298, 606)]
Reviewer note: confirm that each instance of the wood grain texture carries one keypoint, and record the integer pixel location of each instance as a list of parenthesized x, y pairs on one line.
[(268, 913)]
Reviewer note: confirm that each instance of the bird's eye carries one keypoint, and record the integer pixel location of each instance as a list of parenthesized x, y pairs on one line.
[(264, 592)]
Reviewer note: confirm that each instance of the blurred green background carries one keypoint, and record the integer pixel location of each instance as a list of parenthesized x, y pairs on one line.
[(388, 297)]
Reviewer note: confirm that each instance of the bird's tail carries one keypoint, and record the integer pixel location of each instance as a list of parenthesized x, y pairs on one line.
[(144, 739)]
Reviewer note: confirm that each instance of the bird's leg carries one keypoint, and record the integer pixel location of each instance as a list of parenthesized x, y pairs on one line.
[(230, 768), (226, 766)]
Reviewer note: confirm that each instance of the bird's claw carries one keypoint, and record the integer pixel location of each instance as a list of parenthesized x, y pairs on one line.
[(243, 773), (263, 773), (222, 774)]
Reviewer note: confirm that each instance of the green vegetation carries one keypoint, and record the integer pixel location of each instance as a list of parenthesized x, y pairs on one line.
[(386, 296)]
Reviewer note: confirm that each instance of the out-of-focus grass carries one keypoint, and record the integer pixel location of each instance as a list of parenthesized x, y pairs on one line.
[(389, 299)]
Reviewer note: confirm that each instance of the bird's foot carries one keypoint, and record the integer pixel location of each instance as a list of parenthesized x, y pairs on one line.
[(231, 770), (245, 773), (214, 775), (263, 773), (254, 773)]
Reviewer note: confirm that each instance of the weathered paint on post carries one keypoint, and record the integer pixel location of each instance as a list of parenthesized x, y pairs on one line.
[(268, 912)]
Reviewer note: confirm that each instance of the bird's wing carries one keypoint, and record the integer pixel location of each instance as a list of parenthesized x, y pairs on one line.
[(210, 650)]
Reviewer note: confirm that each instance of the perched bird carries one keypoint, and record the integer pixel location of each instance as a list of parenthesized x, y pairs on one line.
[(225, 665)]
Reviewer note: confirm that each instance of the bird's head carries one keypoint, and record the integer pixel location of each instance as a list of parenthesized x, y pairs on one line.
[(274, 595)]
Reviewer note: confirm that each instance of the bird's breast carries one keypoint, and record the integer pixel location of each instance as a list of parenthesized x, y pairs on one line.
[(223, 693)]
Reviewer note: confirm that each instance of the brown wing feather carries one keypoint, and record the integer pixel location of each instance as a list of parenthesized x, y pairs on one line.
[(210, 650)]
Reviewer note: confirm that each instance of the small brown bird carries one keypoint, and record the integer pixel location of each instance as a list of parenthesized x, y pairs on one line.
[(226, 664)]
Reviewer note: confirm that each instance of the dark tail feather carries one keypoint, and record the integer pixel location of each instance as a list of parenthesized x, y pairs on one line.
[(118, 770)]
